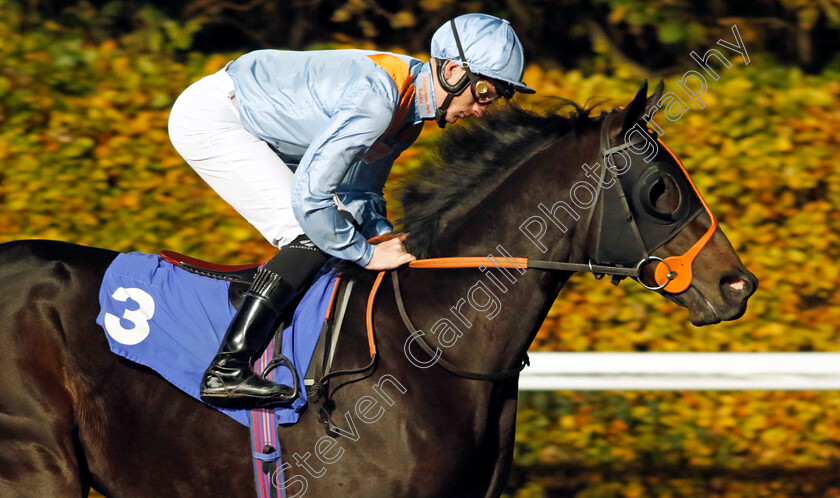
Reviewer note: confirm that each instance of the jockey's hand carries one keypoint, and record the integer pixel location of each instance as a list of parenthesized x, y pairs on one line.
[(382, 238), (389, 254)]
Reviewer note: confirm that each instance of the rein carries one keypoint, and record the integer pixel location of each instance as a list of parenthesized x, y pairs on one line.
[(667, 278), (449, 367), (525, 263), (618, 273), (475, 262)]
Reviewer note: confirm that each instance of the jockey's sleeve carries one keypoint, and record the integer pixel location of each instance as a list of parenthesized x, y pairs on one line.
[(368, 208), (364, 200), (362, 119)]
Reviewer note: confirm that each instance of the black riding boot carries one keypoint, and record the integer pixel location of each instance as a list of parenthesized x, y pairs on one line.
[(230, 381)]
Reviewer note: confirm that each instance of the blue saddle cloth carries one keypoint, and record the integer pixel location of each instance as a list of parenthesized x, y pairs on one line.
[(173, 321)]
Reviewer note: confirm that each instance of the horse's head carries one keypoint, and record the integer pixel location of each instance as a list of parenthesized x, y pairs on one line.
[(650, 211)]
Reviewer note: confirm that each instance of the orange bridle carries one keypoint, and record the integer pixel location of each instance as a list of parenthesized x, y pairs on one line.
[(675, 272)]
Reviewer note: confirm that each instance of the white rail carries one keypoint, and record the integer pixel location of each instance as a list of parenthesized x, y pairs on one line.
[(681, 371)]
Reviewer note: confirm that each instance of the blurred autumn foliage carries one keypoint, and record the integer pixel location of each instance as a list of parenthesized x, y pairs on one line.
[(657, 34), (86, 159)]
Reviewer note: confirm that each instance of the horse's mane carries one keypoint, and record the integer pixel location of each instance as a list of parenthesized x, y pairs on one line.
[(476, 155), (470, 158)]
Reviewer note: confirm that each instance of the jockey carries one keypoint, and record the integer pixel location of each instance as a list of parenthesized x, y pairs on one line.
[(301, 144)]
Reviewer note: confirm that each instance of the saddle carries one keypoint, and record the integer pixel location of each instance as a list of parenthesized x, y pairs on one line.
[(265, 445), (240, 277)]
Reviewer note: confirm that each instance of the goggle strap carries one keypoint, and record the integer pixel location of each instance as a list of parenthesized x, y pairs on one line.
[(455, 89), (464, 63)]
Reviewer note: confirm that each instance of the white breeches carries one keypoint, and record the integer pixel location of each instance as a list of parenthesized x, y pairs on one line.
[(205, 128)]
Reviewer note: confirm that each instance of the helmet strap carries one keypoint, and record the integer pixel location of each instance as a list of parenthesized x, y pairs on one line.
[(451, 90), (459, 87), (440, 112)]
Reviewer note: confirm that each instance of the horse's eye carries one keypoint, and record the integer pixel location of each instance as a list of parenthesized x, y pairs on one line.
[(656, 192), (664, 195)]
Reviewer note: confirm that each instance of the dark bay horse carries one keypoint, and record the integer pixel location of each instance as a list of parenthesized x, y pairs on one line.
[(73, 415)]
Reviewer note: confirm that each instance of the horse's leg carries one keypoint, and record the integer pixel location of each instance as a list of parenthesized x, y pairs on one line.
[(505, 435), (38, 445)]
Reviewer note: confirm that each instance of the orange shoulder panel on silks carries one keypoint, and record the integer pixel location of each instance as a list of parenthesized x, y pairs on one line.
[(398, 70)]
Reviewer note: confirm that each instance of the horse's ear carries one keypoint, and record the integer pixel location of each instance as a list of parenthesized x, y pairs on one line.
[(653, 100), (634, 111), (641, 106)]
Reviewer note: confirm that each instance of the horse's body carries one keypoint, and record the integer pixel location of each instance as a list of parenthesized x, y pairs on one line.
[(79, 415), (74, 415)]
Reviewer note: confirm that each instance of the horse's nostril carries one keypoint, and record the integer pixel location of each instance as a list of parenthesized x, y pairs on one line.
[(734, 283), (737, 285)]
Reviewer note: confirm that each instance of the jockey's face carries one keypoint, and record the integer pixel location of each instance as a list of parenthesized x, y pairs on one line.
[(465, 104)]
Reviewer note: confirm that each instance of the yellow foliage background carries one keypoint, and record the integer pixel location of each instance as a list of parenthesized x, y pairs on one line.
[(86, 159)]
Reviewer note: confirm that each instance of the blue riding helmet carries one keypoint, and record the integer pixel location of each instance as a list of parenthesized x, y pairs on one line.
[(484, 46)]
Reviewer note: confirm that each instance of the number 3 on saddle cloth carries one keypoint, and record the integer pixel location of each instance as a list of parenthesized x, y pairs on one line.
[(172, 321)]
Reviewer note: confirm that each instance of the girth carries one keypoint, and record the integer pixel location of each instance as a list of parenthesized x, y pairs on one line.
[(325, 349)]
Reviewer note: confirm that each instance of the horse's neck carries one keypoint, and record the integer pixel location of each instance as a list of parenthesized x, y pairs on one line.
[(499, 311)]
